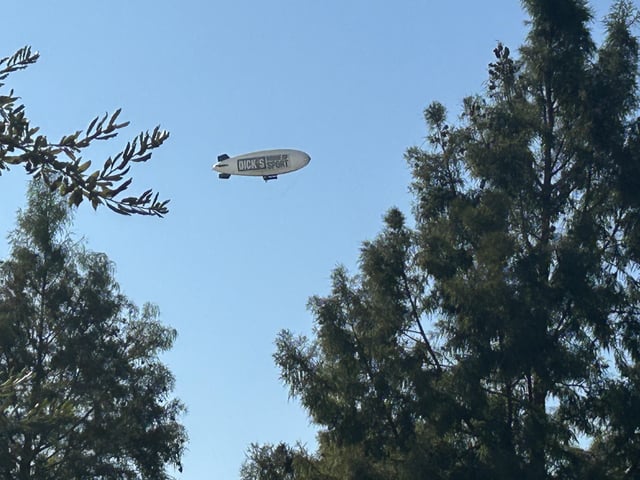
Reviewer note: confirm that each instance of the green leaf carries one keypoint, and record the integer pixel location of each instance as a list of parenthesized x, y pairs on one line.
[(75, 198), (84, 166)]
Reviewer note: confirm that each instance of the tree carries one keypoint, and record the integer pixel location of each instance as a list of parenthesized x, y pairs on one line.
[(372, 377), (96, 400), (486, 341), (61, 166), (281, 462)]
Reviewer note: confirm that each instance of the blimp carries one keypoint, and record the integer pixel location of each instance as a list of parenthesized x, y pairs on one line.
[(267, 164)]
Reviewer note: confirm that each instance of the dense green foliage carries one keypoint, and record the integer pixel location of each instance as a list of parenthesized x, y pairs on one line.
[(500, 336), (61, 165), (89, 397), (281, 462)]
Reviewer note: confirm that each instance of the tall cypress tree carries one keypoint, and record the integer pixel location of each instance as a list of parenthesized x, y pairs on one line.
[(523, 267), (90, 398)]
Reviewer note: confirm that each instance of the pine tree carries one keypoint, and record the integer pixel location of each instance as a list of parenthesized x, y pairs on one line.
[(94, 400), (499, 338)]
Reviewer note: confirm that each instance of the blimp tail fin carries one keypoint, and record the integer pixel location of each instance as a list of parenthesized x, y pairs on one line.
[(223, 157)]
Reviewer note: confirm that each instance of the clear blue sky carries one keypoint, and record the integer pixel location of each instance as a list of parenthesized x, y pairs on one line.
[(235, 261)]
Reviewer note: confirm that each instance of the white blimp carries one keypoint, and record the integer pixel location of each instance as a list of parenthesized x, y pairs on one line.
[(267, 164)]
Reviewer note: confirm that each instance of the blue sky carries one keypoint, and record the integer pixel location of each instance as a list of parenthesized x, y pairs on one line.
[(235, 261)]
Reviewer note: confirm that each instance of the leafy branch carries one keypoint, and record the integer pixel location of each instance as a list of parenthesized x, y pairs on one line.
[(61, 164)]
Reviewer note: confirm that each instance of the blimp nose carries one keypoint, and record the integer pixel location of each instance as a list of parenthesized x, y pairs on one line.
[(220, 166), (307, 158)]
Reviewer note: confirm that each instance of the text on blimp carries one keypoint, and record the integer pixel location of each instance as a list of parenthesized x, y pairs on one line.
[(271, 162)]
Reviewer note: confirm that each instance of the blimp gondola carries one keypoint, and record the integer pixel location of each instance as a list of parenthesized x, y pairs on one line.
[(267, 164)]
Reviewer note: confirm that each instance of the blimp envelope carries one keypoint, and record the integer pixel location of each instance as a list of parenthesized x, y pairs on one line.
[(267, 164)]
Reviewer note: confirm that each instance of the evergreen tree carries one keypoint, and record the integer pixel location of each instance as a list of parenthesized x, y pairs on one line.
[(94, 400), (281, 462), (61, 165), (499, 338)]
